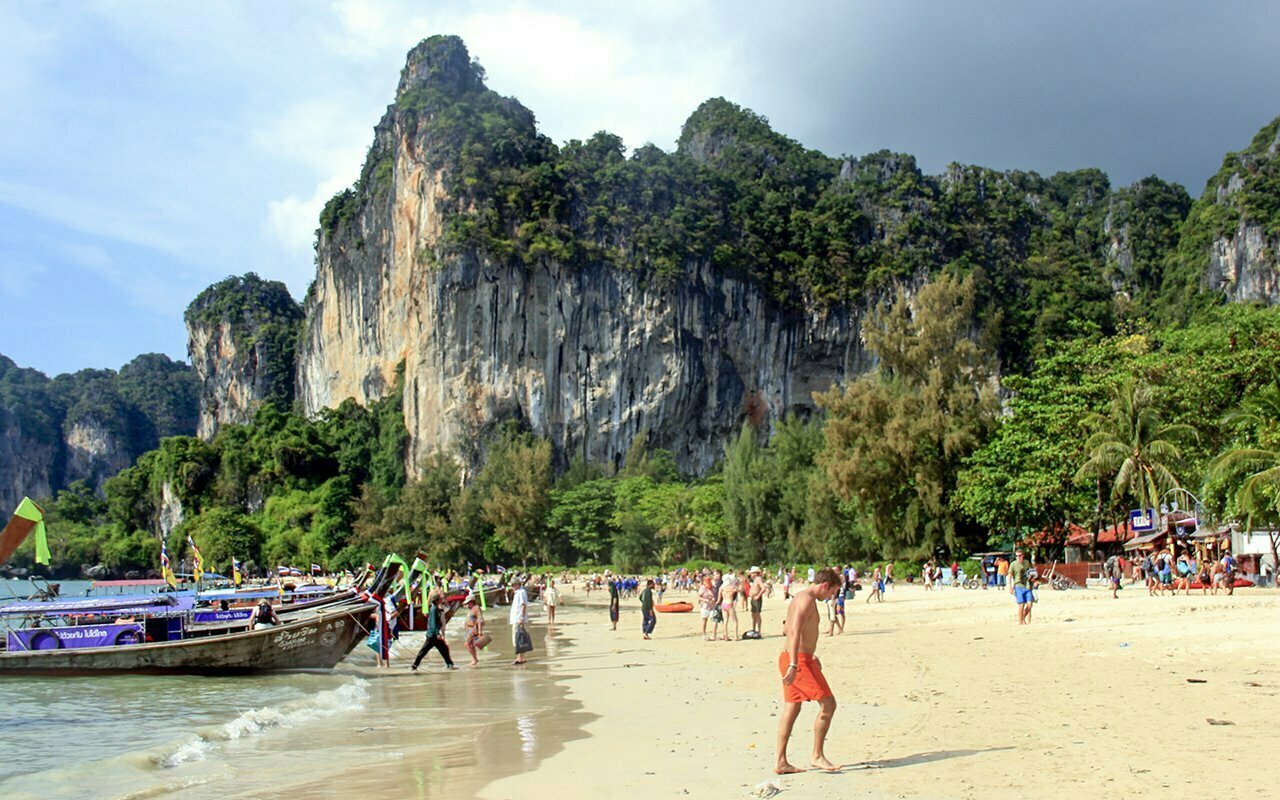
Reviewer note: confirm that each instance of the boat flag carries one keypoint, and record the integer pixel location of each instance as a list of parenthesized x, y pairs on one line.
[(316, 569), (166, 571), (27, 518), (280, 570), (404, 570), (421, 567), (197, 561), (236, 577)]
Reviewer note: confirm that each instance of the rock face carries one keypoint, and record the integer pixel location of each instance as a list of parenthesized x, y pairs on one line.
[(86, 425), (171, 513), (94, 451), (1243, 265), (579, 353), (27, 462), (241, 337), (586, 323), (1240, 211)]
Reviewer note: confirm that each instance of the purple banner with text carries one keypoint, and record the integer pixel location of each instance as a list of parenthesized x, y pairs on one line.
[(74, 637)]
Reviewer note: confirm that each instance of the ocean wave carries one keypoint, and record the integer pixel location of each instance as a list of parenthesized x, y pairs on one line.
[(327, 703)]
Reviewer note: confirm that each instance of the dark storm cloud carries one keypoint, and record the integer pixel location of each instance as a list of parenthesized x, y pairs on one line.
[(1131, 88)]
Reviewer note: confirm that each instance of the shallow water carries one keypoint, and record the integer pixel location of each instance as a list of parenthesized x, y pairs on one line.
[(312, 733)]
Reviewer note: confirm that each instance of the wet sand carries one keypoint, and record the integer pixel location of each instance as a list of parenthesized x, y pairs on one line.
[(425, 734), (941, 695)]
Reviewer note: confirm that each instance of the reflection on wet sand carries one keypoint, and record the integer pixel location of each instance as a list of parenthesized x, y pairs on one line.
[(424, 734)]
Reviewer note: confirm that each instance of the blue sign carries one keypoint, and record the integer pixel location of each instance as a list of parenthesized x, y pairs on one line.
[(75, 636), (1143, 519), (231, 615)]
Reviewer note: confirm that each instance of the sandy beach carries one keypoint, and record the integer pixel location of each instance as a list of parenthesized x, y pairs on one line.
[(941, 695)]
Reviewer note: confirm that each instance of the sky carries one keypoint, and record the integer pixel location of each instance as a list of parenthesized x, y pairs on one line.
[(151, 148)]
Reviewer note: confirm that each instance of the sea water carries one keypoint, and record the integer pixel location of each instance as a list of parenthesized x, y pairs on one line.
[(308, 733)]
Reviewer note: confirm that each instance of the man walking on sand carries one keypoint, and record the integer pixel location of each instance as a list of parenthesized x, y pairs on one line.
[(615, 602), (1020, 587), (802, 678), (648, 618)]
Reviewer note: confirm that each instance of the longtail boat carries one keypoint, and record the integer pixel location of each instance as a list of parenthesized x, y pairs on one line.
[(157, 633), (155, 638)]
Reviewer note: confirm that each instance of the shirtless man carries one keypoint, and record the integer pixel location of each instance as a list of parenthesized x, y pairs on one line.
[(802, 678)]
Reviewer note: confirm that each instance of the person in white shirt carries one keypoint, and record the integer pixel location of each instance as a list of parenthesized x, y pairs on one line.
[(519, 617)]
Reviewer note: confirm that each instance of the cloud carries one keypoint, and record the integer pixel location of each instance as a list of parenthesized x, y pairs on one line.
[(21, 278), (75, 211), (188, 142), (293, 220), (371, 29)]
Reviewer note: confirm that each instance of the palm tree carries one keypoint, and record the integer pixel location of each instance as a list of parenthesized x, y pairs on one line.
[(1259, 493), (1131, 446)]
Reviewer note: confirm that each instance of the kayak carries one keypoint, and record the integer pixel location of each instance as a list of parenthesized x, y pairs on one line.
[(673, 608)]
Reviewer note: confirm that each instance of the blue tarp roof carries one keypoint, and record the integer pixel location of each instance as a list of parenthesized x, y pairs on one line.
[(122, 605)]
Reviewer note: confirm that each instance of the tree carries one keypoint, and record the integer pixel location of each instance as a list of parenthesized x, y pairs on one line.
[(582, 516), (516, 486), (223, 534), (897, 436), (1254, 472), (792, 452), (706, 508), (1023, 477), (749, 500), (1131, 447)]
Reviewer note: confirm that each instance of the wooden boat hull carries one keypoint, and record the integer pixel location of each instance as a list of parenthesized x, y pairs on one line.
[(313, 642)]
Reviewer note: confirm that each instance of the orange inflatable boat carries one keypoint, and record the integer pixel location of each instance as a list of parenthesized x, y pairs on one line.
[(673, 608)]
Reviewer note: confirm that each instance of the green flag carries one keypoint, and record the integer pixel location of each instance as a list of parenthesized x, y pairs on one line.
[(30, 511), (404, 571), (420, 566)]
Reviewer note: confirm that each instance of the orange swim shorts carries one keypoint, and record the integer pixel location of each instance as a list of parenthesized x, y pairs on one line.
[(810, 684)]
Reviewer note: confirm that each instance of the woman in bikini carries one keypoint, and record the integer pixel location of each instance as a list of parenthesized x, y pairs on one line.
[(474, 627), (728, 609)]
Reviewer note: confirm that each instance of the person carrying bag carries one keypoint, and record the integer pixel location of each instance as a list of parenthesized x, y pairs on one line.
[(519, 620)]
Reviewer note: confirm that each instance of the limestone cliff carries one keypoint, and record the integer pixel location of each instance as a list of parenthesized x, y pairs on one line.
[(1231, 243), (88, 425), (29, 463), (242, 334), (582, 352), (595, 295), (95, 451)]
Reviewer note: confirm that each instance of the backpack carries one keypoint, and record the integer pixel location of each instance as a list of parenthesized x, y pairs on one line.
[(751, 634)]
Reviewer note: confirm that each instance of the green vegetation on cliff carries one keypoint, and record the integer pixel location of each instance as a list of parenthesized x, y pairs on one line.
[(265, 323), (149, 398), (910, 460), (1058, 295), (1245, 189), (1048, 254)]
